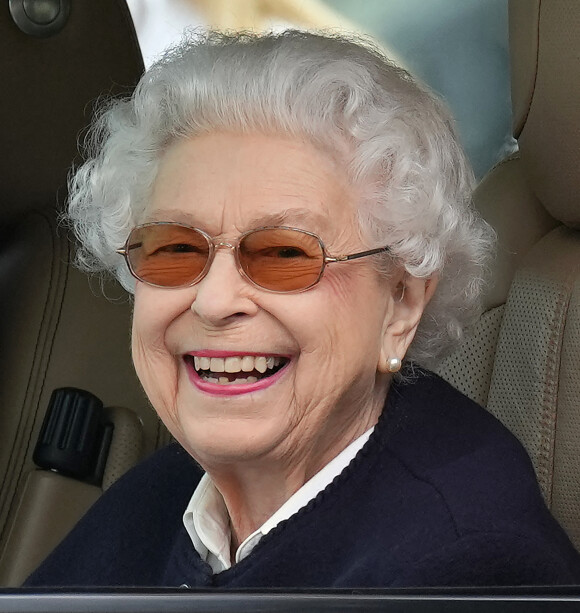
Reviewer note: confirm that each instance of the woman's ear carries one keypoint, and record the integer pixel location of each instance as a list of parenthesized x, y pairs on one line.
[(409, 299)]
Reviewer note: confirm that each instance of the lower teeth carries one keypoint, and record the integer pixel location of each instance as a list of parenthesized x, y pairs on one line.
[(226, 381)]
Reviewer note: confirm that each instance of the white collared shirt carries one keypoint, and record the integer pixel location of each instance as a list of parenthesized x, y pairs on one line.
[(207, 521)]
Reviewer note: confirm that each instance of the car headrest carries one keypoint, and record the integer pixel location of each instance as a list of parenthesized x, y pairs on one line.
[(49, 87), (545, 64)]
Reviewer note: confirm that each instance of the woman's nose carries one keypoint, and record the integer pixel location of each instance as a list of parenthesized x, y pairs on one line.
[(223, 293)]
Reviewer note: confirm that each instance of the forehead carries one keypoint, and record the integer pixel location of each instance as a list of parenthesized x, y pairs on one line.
[(221, 181)]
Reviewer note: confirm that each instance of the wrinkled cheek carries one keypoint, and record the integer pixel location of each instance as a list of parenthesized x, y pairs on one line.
[(342, 368), (317, 381), (157, 371)]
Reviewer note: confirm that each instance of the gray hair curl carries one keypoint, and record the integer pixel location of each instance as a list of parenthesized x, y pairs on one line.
[(341, 94)]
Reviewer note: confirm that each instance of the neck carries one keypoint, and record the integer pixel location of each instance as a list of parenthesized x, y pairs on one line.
[(253, 490)]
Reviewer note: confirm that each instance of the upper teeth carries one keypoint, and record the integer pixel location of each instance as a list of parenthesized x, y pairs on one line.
[(234, 364)]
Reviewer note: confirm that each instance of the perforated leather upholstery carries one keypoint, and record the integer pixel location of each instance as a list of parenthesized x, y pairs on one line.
[(532, 369)]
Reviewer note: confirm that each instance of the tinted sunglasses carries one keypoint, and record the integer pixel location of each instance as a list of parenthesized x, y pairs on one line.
[(274, 258)]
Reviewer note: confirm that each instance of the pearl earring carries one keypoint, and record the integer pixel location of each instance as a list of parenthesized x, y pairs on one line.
[(394, 365)]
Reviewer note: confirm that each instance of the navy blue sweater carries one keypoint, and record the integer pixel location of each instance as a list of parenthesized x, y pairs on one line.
[(441, 495)]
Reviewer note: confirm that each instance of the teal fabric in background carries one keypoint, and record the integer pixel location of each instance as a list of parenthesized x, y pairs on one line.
[(458, 47)]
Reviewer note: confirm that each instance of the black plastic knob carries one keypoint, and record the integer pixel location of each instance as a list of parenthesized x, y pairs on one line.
[(75, 436), (40, 18)]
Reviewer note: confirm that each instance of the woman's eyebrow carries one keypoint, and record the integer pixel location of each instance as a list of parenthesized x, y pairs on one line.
[(302, 216), (175, 215)]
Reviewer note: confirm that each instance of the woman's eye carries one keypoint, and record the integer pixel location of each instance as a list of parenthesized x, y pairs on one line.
[(176, 248), (286, 252)]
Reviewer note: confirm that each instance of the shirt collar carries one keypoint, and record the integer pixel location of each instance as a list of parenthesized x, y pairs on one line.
[(207, 521), (208, 524)]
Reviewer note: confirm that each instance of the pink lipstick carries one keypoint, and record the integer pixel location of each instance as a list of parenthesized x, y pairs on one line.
[(226, 373)]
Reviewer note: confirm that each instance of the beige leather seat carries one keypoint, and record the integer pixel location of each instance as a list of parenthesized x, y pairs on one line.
[(56, 328), (523, 360)]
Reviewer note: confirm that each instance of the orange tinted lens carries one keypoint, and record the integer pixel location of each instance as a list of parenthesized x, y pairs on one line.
[(281, 260), (167, 255)]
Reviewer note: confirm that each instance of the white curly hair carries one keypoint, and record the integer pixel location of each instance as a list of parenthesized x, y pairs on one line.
[(339, 92)]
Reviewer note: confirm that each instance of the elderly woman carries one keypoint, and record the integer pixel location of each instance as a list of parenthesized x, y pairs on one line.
[(293, 215)]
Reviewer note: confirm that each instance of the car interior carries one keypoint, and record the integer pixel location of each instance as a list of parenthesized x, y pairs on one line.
[(522, 361), (63, 330), (59, 328)]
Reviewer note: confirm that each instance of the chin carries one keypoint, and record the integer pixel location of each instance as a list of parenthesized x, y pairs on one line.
[(226, 439)]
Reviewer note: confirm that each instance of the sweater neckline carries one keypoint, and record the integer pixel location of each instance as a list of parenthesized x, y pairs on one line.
[(388, 422)]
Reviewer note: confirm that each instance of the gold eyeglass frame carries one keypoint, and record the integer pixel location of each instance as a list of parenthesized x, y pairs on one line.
[(214, 244)]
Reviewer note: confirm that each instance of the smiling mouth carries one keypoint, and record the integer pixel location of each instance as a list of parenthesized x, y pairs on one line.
[(236, 370)]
